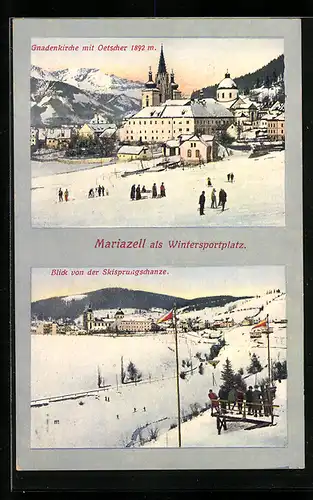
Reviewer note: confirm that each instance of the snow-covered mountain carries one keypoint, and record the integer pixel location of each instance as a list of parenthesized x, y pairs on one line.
[(73, 96)]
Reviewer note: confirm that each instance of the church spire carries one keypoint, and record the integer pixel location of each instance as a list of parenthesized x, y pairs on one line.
[(162, 65)]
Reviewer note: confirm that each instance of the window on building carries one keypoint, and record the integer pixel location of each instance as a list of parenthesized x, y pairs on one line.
[(152, 138), (197, 153), (169, 122), (155, 122), (174, 131), (162, 122), (145, 137), (169, 131), (218, 95), (133, 123), (180, 130), (230, 94), (189, 153), (223, 95), (131, 137), (144, 123), (174, 122), (139, 123), (187, 129), (150, 122), (147, 102)]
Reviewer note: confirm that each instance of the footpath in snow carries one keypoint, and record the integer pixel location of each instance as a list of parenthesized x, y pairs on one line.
[(255, 198)]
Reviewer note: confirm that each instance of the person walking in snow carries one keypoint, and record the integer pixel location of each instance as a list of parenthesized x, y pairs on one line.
[(162, 190), (107, 192), (214, 401), (66, 193), (91, 193), (154, 191), (213, 199), (228, 177), (209, 182), (99, 190), (143, 189), (60, 195), (202, 202), (223, 198), (232, 177), (138, 192), (133, 192), (249, 399), (102, 190)]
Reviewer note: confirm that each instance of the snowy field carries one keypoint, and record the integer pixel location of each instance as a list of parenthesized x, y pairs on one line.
[(256, 198), (112, 417)]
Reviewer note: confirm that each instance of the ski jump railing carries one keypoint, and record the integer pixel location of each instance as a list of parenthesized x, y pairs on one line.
[(248, 412)]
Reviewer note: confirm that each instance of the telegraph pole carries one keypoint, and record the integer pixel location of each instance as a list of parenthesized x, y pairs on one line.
[(268, 350), (177, 377)]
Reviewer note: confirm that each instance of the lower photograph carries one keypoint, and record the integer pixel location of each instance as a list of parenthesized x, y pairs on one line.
[(158, 357)]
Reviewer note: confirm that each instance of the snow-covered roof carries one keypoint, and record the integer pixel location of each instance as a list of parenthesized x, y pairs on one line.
[(200, 138), (209, 107), (172, 143), (247, 103), (177, 102), (279, 117), (227, 83), (177, 112), (207, 138), (109, 131), (131, 150), (229, 104), (100, 127), (268, 116)]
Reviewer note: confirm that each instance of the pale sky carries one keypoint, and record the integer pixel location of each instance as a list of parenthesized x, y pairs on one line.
[(197, 62), (190, 282)]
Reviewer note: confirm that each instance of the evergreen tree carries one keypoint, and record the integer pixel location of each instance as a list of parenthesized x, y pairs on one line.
[(274, 76), (267, 82), (133, 374), (239, 382), (280, 370), (228, 375), (255, 365)]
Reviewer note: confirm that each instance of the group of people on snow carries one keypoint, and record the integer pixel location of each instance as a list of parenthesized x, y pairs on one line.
[(256, 400), (99, 190), (222, 198), (230, 177), (135, 192), (66, 194)]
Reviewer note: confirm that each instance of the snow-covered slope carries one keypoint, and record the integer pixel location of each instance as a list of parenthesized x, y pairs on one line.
[(69, 366), (256, 198)]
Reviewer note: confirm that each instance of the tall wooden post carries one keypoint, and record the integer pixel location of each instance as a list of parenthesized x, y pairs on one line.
[(268, 351), (177, 377)]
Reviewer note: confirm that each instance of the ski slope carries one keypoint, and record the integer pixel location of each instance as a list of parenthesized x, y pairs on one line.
[(256, 198), (67, 367)]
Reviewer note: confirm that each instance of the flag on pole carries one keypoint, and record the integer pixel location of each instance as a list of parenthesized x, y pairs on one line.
[(263, 323), (166, 317)]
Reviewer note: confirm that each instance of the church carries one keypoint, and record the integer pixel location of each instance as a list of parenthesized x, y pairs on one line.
[(162, 88)]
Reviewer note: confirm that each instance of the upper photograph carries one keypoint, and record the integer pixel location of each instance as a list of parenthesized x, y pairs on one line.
[(151, 132)]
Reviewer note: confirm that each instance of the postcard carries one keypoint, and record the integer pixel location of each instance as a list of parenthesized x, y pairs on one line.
[(158, 244)]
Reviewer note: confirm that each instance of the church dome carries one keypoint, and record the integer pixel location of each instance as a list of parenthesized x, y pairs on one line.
[(150, 84), (227, 83)]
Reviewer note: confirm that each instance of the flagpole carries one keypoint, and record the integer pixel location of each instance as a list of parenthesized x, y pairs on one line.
[(268, 351), (177, 377)]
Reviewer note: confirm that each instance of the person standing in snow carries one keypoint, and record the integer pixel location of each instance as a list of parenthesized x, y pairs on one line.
[(107, 192), (214, 400), (232, 398), (240, 398), (133, 192), (102, 190), (249, 399), (256, 400), (66, 193), (213, 199), (138, 192), (232, 177), (143, 189), (154, 191), (60, 195), (99, 190), (209, 182), (202, 202), (228, 177), (162, 190), (223, 396), (223, 198), (91, 193)]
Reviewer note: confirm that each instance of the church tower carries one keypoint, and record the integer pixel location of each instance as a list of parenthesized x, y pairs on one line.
[(150, 95), (88, 319), (162, 79), (227, 90), (175, 93)]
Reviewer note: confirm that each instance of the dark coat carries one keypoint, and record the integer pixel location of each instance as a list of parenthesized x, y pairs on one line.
[(223, 196), (249, 396), (154, 191), (202, 200), (138, 193), (133, 192)]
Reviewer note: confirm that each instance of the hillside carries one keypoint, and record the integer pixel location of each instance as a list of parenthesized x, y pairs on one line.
[(74, 96), (107, 298), (270, 76)]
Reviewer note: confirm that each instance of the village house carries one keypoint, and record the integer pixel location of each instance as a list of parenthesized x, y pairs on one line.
[(94, 130), (58, 138), (276, 128), (46, 328), (128, 153), (198, 149)]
